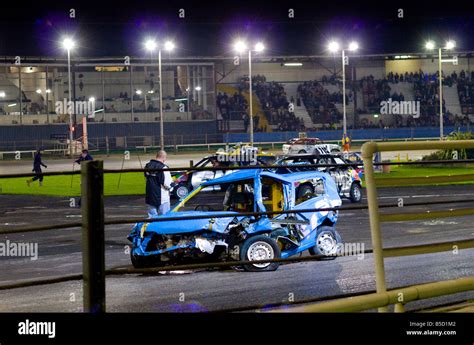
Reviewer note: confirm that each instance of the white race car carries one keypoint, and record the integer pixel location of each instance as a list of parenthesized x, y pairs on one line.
[(309, 145)]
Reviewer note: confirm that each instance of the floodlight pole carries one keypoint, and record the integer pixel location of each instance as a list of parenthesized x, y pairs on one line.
[(162, 139), (344, 119), (441, 126), (69, 106), (250, 97)]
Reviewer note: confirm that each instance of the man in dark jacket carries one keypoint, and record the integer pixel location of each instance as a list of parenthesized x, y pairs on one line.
[(85, 156), (158, 184), (37, 164)]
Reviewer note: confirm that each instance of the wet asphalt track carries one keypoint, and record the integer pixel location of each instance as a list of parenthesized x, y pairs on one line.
[(60, 253)]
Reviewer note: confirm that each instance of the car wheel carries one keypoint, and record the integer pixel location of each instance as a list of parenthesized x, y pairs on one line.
[(260, 247), (355, 194), (327, 243), (182, 191), (304, 190), (139, 261), (302, 151), (333, 151)]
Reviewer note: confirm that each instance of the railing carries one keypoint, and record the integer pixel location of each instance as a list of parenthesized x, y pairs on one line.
[(93, 224)]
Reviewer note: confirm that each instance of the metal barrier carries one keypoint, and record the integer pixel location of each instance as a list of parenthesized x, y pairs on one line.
[(93, 223)]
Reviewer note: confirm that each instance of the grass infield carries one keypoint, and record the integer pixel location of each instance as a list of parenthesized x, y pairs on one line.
[(134, 183)]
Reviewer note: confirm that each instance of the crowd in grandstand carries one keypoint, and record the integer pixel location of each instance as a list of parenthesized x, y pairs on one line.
[(232, 107), (274, 103), (320, 103)]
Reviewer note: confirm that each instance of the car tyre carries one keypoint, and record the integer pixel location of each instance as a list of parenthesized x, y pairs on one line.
[(355, 194), (260, 247), (181, 191), (139, 261), (327, 243), (302, 151)]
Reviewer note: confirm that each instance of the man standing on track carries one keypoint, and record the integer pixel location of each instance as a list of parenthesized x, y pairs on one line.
[(37, 164), (85, 156), (158, 185)]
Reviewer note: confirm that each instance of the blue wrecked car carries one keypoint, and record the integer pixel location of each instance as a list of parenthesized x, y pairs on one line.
[(236, 236)]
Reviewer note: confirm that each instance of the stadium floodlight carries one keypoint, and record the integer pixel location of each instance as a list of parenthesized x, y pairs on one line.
[(353, 46), (48, 91), (38, 91), (2, 94), (333, 46), (240, 46), (450, 45), (68, 43), (91, 99), (198, 88), (430, 45), (169, 46), (150, 45), (138, 92), (259, 47)]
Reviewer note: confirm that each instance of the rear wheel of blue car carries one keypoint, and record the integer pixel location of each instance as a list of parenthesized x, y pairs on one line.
[(260, 247), (327, 244)]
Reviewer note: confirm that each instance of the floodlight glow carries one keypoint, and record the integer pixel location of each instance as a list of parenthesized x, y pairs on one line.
[(259, 47), (169, 46), (38, 91), (430, 45), (333, 46), (240, 46), (450, 44), (91, 99), (68, 43), (2, 94), (138, 92), (353, 46), (198, 88), (48, 90), (150, 45)]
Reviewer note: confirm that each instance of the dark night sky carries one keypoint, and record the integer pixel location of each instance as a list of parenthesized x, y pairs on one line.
[(119, 28)]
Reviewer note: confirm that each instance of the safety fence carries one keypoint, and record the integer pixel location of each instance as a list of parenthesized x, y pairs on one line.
[(93, 227)]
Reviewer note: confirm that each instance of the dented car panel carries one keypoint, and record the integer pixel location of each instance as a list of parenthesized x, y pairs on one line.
[(225, 229)]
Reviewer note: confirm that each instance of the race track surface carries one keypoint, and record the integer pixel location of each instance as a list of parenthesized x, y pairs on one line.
[(60, 254)]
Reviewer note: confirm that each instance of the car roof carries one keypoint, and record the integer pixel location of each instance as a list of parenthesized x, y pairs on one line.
[(248, 174)]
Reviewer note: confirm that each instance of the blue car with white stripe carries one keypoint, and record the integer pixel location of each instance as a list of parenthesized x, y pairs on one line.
[(226, 224)]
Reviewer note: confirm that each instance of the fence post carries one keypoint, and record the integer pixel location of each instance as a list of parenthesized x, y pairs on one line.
[(93, 256), (368, 150)]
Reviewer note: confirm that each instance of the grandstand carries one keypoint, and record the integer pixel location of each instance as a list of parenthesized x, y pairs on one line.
[(214, 91)]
